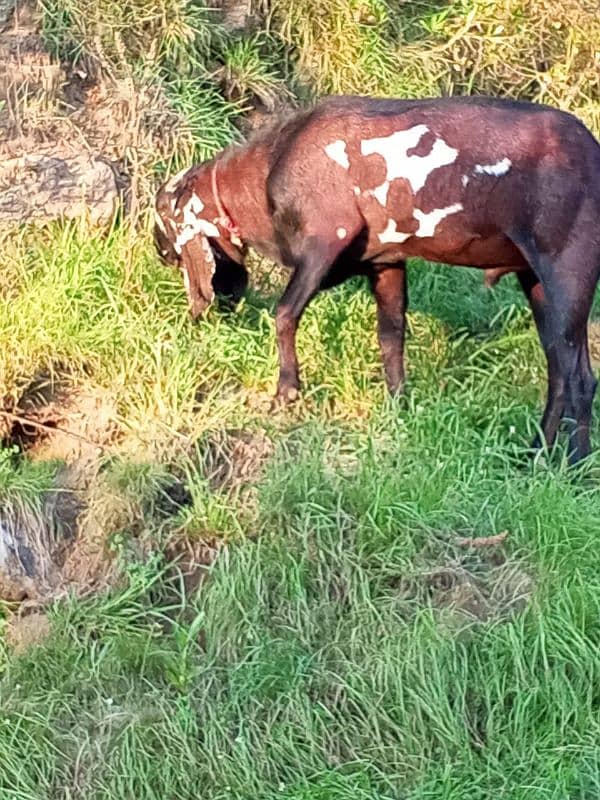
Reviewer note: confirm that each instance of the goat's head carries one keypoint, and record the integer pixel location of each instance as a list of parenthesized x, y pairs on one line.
[(186, 240)]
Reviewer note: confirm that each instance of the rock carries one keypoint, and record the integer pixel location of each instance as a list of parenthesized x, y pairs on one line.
[(43, 187), (6, 10)]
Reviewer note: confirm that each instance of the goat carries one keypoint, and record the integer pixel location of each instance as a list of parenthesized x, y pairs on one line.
[(356, 185)]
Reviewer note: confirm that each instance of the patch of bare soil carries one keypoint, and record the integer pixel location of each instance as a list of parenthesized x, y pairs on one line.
[(42, 555), (26, 630), (59, 544), (106, 131), (53, 419), (234, 458), (191, 560), (479, 585)]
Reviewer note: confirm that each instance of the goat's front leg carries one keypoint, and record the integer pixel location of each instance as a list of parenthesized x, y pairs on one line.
[(389, 287), (303, 286)]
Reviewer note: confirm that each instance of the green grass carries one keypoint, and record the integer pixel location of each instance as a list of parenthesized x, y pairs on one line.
[(318, 662), (335, 651)]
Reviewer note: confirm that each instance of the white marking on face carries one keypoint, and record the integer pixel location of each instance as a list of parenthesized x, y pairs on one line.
[(208, 228), (159, 221), (186, 283), (414, 169), (465, 180), (193, 206), (341, 233), (429, 222), (391, 234), (497, 169), (193, 224), (173, 182), (186, 235), (209, 254), (337, 152)]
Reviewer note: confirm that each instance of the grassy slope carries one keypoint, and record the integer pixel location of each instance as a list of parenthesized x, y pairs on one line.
[(315, 664), (318, 677)]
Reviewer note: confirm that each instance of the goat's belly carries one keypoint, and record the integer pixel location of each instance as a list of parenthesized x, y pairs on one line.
[(461, 250)]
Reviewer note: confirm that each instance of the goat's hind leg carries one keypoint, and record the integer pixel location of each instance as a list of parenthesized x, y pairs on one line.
[(561, 308), (555, 403)]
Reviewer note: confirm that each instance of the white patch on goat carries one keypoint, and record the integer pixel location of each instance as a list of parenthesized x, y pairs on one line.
[(209, 228), (429, 222), (465, 180), (414, 169), (193, 206), (192, 224), (209, 254), (173, 182), (159, 221), (392, 234), (187, 284), (357, 190), (497, 169), (337, 152), (381, 192), (341, 233)]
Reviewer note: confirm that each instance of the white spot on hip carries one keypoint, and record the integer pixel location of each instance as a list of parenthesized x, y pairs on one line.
[(341, 233), (465, 180), (429, 222), (415, 169), (497, 169), (337, 152), (391, 234), (357, 190)]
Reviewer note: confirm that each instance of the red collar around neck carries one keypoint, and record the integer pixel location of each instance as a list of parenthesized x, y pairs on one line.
[(224, 218)]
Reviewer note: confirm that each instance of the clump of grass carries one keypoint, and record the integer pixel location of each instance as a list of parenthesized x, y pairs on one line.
[(542, 51), (250, 72), (123, 36), (154, 96), (303, 667), (307, 667), (339, 46)]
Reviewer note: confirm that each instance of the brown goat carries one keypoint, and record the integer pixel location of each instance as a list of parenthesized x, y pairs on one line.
[(358, 185)]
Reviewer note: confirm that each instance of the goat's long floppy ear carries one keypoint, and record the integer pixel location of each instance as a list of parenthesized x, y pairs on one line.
[(198, 266)]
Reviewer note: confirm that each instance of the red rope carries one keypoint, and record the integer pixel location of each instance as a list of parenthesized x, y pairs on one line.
[(224, 219)]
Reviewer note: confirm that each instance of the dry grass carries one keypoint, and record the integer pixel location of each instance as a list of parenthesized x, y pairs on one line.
[(340, 46), (540, 50), (365, 622)]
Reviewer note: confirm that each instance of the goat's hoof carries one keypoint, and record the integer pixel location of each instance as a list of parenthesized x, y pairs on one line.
[(285, 397)]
